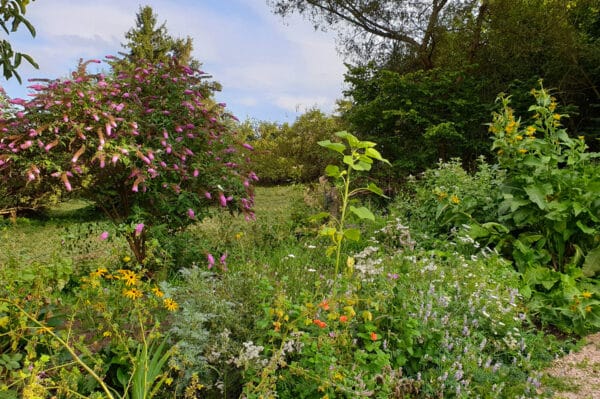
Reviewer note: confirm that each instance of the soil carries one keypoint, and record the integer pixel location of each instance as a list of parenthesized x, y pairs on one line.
[(578, 374)]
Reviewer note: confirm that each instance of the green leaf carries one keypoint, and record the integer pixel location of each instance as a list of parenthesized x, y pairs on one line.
[(338, 147), (348, 160), (332, 171), (319, 216), (591, 265), (585, 229), (352, 140), (373, 153), (360, 165), (538, 193), (372, 187), (362, 212), (352, 234), (327, 231)]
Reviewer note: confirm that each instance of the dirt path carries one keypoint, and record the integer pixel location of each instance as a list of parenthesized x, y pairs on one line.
[(579, 373)]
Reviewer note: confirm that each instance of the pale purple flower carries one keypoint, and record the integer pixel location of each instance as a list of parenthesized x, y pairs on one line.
[(138, 229), (207, 195), (248, 146), (211, 260), (103, 236), (222, 199)]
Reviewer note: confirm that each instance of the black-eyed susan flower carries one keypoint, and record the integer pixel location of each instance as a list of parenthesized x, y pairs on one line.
[(128, 276), (170, 304), (156, 291), (133, 293)]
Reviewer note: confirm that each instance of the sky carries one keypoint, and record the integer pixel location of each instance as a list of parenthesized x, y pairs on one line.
[(271, 69)]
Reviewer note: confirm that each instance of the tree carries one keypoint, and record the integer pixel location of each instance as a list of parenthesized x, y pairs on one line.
[(379, 30), (151, 42), (147, 144), (12, 12)]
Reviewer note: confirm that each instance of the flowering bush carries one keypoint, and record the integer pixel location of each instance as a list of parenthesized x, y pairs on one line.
[(146, 143)]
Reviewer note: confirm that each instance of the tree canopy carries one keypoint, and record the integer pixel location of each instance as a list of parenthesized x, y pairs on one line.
[(12, 15)]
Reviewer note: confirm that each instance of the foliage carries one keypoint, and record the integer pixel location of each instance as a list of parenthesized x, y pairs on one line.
[(12, 15), (286, 153), (148, 145), (380, 30), (418, 118)]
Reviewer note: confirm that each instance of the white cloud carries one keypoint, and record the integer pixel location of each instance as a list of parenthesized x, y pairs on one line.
[(299, 104)]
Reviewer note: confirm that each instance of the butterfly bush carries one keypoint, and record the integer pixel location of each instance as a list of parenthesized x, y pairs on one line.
[(146, 142)]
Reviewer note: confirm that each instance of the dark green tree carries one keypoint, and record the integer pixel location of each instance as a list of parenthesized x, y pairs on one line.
[(12, 15), (152, 42)]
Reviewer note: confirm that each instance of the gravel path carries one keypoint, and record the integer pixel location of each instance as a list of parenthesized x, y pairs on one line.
[(579, 372)]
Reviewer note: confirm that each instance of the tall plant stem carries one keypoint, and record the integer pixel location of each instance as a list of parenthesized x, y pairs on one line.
[(340, 232)]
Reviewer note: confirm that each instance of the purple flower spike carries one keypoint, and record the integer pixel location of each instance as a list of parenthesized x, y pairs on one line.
[(138, 229), (191, 214), (211, 260)]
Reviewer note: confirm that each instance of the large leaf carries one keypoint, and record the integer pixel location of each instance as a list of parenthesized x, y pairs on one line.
[(362, 212), (537, 194), (352, 234), (591, 265), (332, 171), (338, 147)]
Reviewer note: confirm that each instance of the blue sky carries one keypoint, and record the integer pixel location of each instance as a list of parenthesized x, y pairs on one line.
[(270, 68)]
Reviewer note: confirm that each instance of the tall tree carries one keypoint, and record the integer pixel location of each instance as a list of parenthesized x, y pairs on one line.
[(152, 42), (12, 13), (375, 30)]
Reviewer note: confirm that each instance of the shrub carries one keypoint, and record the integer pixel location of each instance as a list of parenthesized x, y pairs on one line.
[(146, 143)]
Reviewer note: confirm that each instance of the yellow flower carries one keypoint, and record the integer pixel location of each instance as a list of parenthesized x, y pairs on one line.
[(588, 309), (132, 293), (101, 271), (157, 292), (556, 117), (586, 294), (106, 334), (126, 259), (129, 277), (441, 195), (454, 199), (518, 137), (522, 150), (581, 138), (170, 304), (239, 236), (530, 131)]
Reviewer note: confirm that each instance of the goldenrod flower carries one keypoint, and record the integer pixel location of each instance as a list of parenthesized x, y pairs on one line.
[(157, 292), (454, 199), (586, 294), (129, 277), (170, 304), (530, 131), (133, 293)]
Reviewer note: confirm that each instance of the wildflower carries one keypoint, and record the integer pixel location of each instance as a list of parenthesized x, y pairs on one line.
[(454, 199), (319, 323), (129, 277), (581, 138), (530, 131), (211, 260), (170, 304), (522, 150), (156, 291), (373, 336), (586, 294), (106, 334), (103, 236), (132, 293), (588, 309), (518, 137), (442, 195), (324, 304), (101, 271), (138, 229), (556, 117), (277, 326), (343, 319), (126, 259), (238, 236)]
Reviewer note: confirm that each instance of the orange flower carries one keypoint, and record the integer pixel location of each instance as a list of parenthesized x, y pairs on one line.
[(343, 319), (319, 323), (373, 336), (324, 305)]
